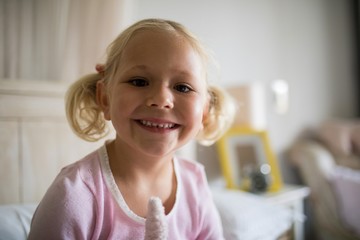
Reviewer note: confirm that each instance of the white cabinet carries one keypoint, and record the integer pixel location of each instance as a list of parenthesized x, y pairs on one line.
[(293, 197)]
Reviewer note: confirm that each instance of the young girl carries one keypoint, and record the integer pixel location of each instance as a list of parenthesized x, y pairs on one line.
[(153, 89)]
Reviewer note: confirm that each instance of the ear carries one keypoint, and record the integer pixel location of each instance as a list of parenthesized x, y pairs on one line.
[(102, 98)]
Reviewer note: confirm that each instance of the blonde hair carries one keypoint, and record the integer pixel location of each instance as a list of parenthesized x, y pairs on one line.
[(85, 115)]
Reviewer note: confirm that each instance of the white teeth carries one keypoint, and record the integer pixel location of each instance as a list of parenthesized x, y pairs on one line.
[(160, 125)]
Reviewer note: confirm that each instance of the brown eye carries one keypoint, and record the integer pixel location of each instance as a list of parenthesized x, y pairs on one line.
[(139, 82), (182, 88)]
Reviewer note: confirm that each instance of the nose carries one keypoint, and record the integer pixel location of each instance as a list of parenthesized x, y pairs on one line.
[(161, 98)]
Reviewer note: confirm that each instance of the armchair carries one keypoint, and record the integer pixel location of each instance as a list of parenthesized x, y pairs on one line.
[(328, 161)]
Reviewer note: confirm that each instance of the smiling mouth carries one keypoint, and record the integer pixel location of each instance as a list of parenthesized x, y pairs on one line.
[(158, 125)]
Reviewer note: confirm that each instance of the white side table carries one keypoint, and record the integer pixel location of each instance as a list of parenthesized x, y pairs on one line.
[(293, 197)]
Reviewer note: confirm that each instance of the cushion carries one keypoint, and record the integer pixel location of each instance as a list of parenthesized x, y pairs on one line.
[(246, 216), (346, 182), (15, 221), (355, 139)]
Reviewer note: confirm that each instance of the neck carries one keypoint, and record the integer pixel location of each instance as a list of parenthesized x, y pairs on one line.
[(140, 176), (132, 165)]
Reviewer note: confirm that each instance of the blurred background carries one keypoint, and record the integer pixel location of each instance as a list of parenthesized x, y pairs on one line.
[(298, 58)]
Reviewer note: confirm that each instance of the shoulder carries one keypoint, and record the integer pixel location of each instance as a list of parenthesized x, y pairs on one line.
[(75, 180), (191, 169), (87, 162), (77, 176), (196, 200), (190, 166), (70, 202), (192, 176)]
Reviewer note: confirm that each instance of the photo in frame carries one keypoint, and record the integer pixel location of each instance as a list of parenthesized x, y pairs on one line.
[(245, 153)]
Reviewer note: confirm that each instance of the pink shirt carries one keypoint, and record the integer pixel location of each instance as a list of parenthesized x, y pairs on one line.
[(84, 202)]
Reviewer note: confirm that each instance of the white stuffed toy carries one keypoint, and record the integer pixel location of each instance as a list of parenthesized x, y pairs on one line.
[(155, 224)]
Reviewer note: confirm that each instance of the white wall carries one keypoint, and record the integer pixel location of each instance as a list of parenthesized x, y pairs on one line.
[(309, 43)]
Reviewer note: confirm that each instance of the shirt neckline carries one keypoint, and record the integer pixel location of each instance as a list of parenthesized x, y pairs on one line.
[(115, 191)]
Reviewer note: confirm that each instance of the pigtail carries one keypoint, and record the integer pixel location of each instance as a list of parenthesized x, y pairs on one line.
[(82, 111), (220, 116)]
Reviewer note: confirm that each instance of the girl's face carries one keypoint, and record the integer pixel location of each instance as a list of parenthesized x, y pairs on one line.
[(157, 98)]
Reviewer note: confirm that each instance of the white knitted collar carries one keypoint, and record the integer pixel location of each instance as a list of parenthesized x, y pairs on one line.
[(111, 184)]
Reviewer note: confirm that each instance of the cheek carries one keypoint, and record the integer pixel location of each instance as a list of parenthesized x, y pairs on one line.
[(198, 110), (121, 105), (117, 105)]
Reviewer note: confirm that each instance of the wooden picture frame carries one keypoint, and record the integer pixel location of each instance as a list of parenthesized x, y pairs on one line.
[(241, 149)]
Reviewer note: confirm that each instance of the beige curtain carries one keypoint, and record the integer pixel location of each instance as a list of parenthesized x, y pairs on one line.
[(57, 40)]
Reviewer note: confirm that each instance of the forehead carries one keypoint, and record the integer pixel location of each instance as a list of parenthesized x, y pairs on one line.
[(144, 39), (161, 47)]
